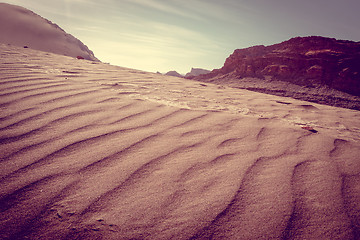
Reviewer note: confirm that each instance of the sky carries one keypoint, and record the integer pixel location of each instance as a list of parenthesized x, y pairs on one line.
[(164, 35)]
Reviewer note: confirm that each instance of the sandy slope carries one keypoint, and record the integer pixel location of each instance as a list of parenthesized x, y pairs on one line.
[(21, 27), (93, 151), (321, 95)]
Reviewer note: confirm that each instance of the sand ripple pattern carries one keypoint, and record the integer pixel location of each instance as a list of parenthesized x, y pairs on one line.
[(87, 152)]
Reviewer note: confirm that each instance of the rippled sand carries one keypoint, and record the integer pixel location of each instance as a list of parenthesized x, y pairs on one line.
[(93, 151)]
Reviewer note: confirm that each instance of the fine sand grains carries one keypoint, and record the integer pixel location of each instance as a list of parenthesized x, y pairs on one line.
[(93, 151)]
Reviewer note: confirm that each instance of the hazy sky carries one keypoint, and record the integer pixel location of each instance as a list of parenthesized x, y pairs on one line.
[(163, 35)]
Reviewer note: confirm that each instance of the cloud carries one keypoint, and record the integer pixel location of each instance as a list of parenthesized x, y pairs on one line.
[(229, 11), (199, 10), (160, 48), (170, 7), (170, 38)]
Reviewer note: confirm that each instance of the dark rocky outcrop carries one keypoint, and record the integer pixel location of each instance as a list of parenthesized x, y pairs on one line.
[(312, 62)]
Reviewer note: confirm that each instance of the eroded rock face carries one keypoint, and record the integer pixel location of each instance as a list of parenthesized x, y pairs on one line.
[(315, 72), (307, 61)]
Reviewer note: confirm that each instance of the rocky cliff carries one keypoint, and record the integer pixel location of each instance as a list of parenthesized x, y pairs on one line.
[(311, 62)]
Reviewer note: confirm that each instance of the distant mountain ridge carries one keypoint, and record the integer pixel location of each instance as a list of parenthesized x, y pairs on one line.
[(22, 27), (311, 62), (174, 74), (193, 73), (196, 72)]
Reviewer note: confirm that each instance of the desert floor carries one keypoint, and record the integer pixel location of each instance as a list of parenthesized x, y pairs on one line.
[(94, 151)]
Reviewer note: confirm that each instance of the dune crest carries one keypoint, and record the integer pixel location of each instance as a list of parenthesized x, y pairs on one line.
[(22, 27), (93, 151)]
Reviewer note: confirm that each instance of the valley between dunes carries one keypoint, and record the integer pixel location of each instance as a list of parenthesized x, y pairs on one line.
[(94, 151)]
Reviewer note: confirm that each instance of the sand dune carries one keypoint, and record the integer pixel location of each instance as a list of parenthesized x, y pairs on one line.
[(22, 27), (93, 151)]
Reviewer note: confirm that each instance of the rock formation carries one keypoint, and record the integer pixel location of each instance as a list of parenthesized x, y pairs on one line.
[(193, 73), (196, 72), (310, 62), (173, 74)]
